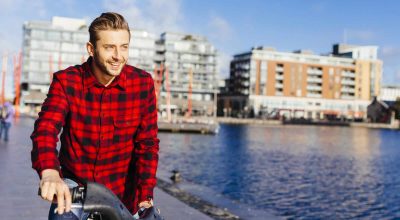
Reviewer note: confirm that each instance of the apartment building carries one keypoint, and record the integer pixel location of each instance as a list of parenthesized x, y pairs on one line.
[(302, 84), (389, 93), (191, 62)]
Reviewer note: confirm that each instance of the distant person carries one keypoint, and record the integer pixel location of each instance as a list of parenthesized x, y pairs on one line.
[(107, 112), (7, 116)]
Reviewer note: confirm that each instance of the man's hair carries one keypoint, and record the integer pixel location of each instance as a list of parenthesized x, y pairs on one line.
[(107, 21)]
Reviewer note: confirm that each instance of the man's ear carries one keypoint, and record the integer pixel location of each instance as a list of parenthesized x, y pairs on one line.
[(90, 49)]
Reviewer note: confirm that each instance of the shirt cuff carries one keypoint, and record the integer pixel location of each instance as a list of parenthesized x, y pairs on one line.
[(48, 164), (145, 194)]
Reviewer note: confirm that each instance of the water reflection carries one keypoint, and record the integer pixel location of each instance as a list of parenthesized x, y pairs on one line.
[(294, 171)]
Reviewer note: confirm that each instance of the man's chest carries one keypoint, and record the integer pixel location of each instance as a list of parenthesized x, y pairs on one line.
[(111, 115)]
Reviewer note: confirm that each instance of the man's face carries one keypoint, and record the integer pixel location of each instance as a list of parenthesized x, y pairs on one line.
[(111, 51)]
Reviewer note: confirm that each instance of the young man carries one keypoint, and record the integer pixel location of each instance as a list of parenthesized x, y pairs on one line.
[(107, 111)]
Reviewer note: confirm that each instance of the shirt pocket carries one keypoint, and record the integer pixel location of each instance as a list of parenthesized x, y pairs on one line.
[(125, 128)]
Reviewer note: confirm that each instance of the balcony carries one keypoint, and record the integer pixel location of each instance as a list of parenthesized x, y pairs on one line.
[(314, 79), (347, 90), (314, 88), (317, 72), (348, 74), (314, 95), (348, 82), (347, 96), (278, 77), (279, 69)]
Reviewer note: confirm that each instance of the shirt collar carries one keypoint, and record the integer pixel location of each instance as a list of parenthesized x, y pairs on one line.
[(90, 80)]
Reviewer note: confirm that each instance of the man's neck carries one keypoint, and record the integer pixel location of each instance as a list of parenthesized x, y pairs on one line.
[(104, 79)]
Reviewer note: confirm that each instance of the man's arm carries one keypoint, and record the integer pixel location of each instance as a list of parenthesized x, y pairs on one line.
[(146, 147), (44, 152)]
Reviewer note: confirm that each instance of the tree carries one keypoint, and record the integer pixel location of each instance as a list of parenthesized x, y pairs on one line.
[(396, 108)]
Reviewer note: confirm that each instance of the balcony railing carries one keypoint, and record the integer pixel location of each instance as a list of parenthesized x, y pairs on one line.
[(314, 79), (314, 88), (348, 82)]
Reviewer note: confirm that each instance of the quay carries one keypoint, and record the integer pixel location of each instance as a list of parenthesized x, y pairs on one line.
[(256, 121)]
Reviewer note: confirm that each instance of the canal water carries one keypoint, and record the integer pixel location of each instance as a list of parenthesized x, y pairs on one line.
[(295, 172)]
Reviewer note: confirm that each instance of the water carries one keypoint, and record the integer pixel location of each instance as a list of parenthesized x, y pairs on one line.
[(300, 172)]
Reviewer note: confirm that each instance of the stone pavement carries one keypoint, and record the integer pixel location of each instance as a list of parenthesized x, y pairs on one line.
[(19, 183)]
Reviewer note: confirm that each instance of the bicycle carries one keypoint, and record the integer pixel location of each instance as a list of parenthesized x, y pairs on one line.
[(100, 203)]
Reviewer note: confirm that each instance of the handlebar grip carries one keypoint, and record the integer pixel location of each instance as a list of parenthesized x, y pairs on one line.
[(77, 194)]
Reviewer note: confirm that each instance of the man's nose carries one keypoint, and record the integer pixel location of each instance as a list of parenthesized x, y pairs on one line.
[(116, 54)]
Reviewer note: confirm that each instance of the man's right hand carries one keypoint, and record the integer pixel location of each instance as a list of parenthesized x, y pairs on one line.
[(51, 184)]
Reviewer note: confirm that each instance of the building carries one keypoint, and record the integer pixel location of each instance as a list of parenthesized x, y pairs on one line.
[(190, 72), (49, 46), (142, 49), (302, 84), (390, 93), (379, 111)]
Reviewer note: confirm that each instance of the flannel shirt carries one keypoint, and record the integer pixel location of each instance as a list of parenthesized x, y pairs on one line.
[(109, 133)]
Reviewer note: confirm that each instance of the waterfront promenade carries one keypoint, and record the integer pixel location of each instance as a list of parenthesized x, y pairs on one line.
[(19, 183), (256, 121)]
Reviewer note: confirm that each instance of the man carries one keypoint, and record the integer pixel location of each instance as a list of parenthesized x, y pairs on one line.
[(6, 118), (107, 111)]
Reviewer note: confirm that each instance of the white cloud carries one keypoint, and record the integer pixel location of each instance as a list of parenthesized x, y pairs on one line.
[(153, 15), (220, 28), (221, 34)]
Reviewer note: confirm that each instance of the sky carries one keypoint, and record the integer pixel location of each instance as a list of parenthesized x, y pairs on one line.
[(235, 26)]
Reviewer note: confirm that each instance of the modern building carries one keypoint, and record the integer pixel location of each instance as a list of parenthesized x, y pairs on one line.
[(190, 72), (302, 84), (142, 49), (389, 93), (49, 46)]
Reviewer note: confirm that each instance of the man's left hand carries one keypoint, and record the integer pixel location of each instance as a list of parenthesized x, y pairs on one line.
[(146, 204)]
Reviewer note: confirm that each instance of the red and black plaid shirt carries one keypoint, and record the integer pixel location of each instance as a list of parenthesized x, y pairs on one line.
[(109, 133)]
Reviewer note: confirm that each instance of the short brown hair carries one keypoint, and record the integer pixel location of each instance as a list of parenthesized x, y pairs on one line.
[(107, 21)]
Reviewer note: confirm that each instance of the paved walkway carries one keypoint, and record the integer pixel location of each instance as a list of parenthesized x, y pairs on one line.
[(19, 183)]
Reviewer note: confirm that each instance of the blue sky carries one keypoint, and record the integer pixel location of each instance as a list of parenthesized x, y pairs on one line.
[(234, 26)]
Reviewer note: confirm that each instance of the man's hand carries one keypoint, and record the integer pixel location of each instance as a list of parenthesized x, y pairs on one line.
[(51, 184), (146, 204)]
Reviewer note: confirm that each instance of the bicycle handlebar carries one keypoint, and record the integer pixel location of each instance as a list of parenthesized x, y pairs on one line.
[(95, 197)]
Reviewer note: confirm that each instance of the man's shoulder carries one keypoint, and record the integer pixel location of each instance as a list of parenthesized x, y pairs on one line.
[(135, 72), (70, 73)]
